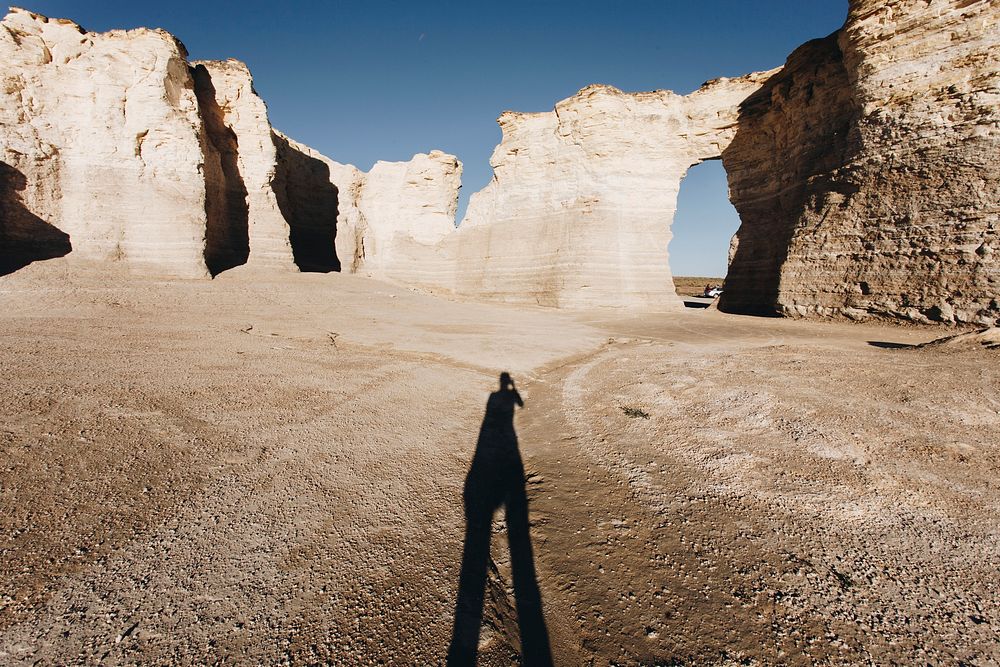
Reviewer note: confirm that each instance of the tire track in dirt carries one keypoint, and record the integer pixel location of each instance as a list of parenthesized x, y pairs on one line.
[(632, 573)]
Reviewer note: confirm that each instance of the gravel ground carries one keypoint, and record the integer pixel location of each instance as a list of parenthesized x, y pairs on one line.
[(262, 470)]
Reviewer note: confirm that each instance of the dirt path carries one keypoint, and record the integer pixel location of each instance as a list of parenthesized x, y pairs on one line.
[(737, 525), (271, 471)]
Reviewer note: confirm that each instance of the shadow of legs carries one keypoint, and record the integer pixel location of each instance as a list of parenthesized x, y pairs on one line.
[(471, 591), (535, 649)]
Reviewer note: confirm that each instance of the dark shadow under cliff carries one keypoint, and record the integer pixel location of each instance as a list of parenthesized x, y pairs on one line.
[(308, 201), (24, 237), (227, 235)]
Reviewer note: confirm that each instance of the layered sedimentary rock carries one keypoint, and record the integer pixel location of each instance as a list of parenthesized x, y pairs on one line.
[(409, 210), (101, 140), (866, 171), (241, 170), (308, 202), (389, 222), (579, 210), (115, 148)]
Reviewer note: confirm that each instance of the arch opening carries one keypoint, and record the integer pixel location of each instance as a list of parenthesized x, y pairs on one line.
[(703, 227)]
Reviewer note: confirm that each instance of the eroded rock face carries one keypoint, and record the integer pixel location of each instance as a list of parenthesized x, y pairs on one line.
[(579, 210), (890, 205), (101, 140), (391, 222), (241, 170), (864, 172), (409, 210), (308, 201)]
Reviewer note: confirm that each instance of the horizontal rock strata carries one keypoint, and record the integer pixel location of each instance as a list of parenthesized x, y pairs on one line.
[(115, 148), (101, 140), (864, 172), (390, 222), (888, 203), (579, 210), (239, 130)]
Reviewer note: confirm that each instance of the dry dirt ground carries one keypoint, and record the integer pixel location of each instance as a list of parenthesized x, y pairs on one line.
[(270, 470), (694, 285)]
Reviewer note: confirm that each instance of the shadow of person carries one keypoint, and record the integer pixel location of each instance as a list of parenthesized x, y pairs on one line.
[(496, 477)]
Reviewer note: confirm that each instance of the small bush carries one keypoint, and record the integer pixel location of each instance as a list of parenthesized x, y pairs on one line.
[(635, 412)]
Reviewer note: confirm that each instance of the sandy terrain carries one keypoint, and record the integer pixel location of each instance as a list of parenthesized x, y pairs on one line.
[(694, 285), (262, 470)]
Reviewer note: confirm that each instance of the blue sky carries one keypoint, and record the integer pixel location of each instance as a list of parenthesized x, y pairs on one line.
[(380, 79)]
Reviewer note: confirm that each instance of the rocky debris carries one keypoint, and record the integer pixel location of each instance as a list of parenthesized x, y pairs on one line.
[(988, 338), (579, 210), (886, 204)]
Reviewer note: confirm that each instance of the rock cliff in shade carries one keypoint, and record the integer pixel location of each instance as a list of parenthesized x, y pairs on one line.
[(579, 210), (241, 170), (101, 140), (390, 222), (308, 202), (865, 173)]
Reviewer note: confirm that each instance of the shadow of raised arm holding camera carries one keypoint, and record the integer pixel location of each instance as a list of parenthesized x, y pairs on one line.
[(495, 479)]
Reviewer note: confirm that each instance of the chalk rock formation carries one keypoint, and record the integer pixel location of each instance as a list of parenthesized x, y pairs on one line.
[(866, 172), (101, 139), (389, 222), (409, 209), (579, 210), (308, 201), (241, 170)]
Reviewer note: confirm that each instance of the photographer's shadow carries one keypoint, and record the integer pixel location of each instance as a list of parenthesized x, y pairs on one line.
[(496, 477)]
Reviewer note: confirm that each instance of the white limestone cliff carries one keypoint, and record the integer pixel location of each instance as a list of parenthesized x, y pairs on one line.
[(390, 221), (579, 210), (409, 209), (236, 118), (101, 140)]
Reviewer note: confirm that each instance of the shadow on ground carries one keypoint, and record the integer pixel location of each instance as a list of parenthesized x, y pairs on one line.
[(495, 479)]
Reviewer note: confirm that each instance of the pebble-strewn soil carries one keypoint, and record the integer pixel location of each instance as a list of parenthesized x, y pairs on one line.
[(264, 471)]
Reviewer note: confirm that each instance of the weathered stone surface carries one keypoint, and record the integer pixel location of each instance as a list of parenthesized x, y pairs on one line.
[(889, 205), (864, 172), (238, 128), (579, 210), (409, 210), (388, 223), (308, 201), (101, 139)]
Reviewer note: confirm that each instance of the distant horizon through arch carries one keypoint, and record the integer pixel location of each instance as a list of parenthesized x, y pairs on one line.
[(704, 223)]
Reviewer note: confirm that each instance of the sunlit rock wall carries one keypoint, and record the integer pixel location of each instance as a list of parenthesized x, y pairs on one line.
[(409, 210), (579, 210), (889, 202), (391, 221), (100, 140), (237, 123)]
